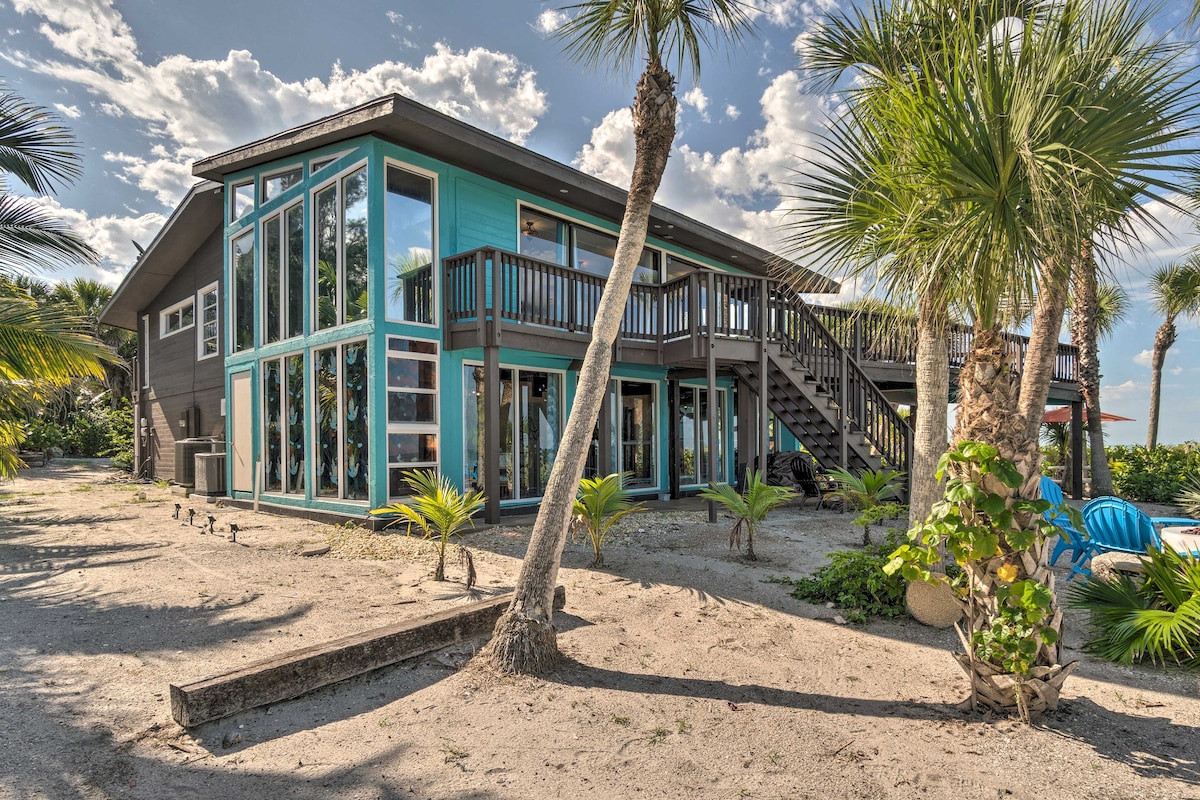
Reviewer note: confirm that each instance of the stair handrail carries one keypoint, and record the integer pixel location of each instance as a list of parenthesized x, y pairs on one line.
[(803, 336)]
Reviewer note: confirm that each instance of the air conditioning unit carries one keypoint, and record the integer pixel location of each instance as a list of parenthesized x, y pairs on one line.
[(210, 474), (185, 459)]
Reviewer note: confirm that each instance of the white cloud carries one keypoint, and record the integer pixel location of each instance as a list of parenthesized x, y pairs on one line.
[(205, 106), (111, 236), (550, 20), (1122, 391), (696, 98), (1143, 358), (732, 111), (166, 176), (72, 112), (609, 153), (1175, 371)]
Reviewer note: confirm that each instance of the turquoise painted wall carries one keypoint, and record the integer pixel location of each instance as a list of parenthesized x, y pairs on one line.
[(470, 212)]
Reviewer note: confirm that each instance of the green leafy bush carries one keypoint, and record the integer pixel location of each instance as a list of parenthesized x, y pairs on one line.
[(95, 432), (855, 580), (1155, 619), (1153, 476)]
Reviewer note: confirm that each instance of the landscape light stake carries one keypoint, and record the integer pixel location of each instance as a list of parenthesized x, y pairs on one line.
[(233, 531), (211, 520), (177, 507), (191, 515)]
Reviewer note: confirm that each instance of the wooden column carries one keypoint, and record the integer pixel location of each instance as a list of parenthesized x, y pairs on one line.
[(764, 409), (1077, 449), (747, 437), (604, 459), (491, 432), (712, 391), (674, 457)]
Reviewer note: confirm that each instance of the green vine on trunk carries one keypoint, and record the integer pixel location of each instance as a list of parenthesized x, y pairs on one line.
[(994, 536)]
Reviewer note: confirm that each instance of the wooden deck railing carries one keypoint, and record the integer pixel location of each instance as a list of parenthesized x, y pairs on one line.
[(490, 286)]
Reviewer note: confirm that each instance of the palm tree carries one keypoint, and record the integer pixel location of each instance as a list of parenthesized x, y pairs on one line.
[(85, 298), (615, 34), (749, 507), (41, 349), (1175, 292), (602, 502), (968, 170), (1097, 308)]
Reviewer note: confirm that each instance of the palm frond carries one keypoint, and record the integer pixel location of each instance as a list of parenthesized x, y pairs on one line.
[(34, 147), (32, 238)]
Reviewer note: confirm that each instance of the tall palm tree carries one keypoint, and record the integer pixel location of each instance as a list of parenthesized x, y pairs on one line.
[(85, 299), (1097, 308), (1175, 292), (971, 170), (41, 348), (616, 34)]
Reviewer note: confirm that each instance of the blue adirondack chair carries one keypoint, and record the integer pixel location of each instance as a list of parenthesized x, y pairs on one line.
[(1068, 537), (1117, 526)]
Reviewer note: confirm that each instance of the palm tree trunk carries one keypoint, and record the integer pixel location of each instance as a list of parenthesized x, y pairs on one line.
[(988, 412), (1084, 334), (1037, 370), (1163, 339), (524, 640), (933, 398)]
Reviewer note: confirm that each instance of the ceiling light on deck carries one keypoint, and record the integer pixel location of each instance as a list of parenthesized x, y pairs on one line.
[(563, 191), (529, 229)]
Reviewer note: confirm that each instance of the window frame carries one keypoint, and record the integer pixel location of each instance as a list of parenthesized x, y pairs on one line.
[(215, 290), (233, 321), (280, 214), (266, 176), (434, 427), (233, 197), (310, 389), (163, 316), (281, 359), (435, 321), (572, 223), (335, 179), (724, 396)]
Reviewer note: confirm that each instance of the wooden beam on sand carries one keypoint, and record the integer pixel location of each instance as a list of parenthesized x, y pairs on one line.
[(292, 674)]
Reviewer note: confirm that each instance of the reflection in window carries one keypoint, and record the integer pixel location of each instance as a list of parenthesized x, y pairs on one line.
[(280, 182), (326, 386), (354, 403), (272, 426), (586, 249), (209, 322), (637, 427), (354, 257), (293, 304), (693, 436), (271, 290), (325, 228), (293, 414), (530, 408), (409, 246), (241, 200), (340, 243), (243, 292), (283, 275), (412, 395)]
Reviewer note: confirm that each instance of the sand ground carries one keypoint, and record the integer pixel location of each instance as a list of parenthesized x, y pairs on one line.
[(687, 674)]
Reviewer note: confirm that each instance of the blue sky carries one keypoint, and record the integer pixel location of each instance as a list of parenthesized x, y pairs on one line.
[(149, 86)]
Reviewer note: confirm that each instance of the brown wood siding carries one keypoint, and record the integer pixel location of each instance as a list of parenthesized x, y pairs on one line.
[(178, 381)]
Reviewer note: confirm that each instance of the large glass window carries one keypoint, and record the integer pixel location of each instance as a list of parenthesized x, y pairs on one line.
[(178, 317), (633, 435), (283, 275), (278, 183), (241, 200), (209, 336), (342, 436), (572, 245), (412, 375), (693, 436), (283, 424), (340, 245), (530, 425), (243, 293), (409, 246)]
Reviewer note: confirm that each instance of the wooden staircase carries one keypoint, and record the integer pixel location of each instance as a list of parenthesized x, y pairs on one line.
[(817, 391)]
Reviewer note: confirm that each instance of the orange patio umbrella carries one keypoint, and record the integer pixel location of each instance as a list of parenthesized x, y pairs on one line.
[(1063, 414)]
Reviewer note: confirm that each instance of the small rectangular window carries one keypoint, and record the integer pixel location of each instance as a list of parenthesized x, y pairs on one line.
[(241, 200), (208, 337), (178, 317), (242, 330), (412, 409), (278, 183)]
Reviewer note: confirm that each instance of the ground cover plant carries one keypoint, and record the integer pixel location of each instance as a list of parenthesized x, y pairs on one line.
[(856, 582), (1153, 475)]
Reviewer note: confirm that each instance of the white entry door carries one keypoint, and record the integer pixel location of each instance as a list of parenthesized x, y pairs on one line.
[(241, 432)]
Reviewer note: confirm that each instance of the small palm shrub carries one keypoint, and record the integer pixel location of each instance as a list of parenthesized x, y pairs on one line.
[(599, 505), (750, 507), (1189, 497), (1155, 619), (867, 492), (439, 510)]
